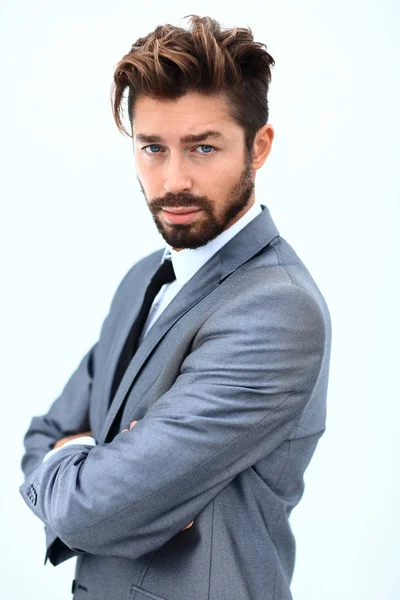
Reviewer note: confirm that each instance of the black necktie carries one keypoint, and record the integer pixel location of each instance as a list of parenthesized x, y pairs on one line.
[(164, 274)]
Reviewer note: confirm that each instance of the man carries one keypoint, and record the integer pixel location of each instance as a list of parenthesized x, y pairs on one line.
[(172, 460)]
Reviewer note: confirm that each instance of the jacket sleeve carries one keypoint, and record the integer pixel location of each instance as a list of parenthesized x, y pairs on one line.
[(69, 414), (240, 392)]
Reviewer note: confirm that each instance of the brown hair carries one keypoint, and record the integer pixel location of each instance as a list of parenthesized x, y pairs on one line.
[(171, 61)]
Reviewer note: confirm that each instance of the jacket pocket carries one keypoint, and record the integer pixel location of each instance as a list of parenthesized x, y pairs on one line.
[(138, 593)]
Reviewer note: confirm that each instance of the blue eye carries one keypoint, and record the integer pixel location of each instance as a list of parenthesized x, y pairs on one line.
[(151, 146), (206, 146)]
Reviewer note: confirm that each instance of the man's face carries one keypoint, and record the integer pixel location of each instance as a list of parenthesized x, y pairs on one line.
[(192, 167)]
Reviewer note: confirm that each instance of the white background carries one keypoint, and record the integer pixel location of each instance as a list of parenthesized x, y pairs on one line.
[(73, 221)]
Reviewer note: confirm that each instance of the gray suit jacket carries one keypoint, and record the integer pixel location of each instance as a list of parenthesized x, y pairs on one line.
[(229, 387)]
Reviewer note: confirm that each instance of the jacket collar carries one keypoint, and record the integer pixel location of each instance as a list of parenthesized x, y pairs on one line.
[(188, 261)]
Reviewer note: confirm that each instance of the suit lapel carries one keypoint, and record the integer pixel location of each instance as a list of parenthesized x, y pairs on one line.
[(245, 244), (133, 300)]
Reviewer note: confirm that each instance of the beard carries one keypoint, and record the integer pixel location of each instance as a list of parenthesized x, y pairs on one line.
[(208, 226)]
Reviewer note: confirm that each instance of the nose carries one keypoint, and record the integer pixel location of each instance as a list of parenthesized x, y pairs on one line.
[(177, 178)]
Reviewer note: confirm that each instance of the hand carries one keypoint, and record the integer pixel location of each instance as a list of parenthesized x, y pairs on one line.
[(62, 441), (132, 425)]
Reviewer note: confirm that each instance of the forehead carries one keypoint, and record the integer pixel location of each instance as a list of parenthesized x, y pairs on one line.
[(190, 114)]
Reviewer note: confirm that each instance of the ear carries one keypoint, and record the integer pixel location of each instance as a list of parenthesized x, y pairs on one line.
[(262, 145)]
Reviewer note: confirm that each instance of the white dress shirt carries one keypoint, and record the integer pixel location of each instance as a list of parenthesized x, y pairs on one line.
[(186, 263)]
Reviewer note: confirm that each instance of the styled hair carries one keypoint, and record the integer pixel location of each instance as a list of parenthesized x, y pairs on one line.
[(171, 61)]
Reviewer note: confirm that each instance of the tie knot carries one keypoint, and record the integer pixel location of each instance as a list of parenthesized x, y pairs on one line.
[(164, 274)]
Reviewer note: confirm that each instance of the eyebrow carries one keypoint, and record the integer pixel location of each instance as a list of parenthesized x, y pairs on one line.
[(186, 139)]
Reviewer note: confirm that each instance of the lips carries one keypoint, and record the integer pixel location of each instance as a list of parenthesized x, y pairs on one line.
[(181, 210), (181, 215)]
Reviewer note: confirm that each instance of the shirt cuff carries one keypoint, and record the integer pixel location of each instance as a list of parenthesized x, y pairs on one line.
[(84, 439)]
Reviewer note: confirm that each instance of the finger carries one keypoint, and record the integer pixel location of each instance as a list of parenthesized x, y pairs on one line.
[(131, 426)]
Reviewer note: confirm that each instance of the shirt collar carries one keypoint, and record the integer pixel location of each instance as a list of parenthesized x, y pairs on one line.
[(188, 261)]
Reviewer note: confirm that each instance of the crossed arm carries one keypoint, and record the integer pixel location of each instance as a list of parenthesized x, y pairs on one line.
[(239, 394), (69, 438)]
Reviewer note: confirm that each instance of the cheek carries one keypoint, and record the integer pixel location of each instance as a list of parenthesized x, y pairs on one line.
[(150, 178), (222, 179)]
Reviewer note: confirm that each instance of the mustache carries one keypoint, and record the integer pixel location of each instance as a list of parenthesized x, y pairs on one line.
[(175, 200)]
